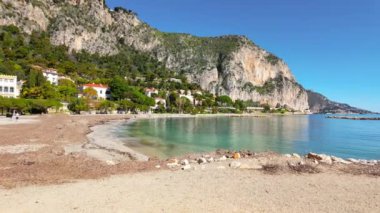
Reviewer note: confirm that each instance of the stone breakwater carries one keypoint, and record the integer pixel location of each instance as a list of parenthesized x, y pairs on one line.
[(262, 161), (354, 118)]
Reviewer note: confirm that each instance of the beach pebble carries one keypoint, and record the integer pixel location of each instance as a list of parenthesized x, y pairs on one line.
[(184, 162), (172, 165), (210, 160), (314, 156), (373, 162), (322, 158), (236, 156), (173, 161), (301, 163), (111, 162), (288, 155), (158, 166), (352, 160), (186, 167), (202, 160), (296, 155), (326, 159), (223, 158), (235, 164)]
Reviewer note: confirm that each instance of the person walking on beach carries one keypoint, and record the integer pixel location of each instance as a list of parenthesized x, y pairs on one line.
[(17, 116)]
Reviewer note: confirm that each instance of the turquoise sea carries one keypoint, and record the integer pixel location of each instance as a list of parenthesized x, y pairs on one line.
[(167, 137)]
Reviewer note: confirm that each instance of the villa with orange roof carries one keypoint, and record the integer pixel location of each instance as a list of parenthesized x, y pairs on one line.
[(102, 90)]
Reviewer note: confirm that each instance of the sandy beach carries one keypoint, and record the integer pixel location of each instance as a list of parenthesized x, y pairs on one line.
[(58, 163)]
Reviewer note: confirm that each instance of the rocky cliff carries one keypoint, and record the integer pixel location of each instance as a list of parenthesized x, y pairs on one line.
[(227, 65)]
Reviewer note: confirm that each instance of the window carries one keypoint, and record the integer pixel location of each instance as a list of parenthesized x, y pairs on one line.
[(11, 80), (1, 89), (101, 92), (5, 89), (12, 90)]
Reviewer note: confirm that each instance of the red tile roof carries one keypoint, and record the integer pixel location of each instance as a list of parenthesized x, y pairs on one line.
[(96, 85)]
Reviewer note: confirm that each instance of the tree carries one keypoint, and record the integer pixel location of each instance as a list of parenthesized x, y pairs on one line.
[(266, 108), (67, 92), (77, 105), (35, 79), (119, 88), (90, 93), (106, 106), (240, 105), (224, 100), (125, 105)]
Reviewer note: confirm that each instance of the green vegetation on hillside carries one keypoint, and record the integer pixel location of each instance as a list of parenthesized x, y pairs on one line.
[(127, 73), (272, 59)]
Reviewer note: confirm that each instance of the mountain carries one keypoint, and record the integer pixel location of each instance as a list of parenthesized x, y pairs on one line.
[(320, 104), (226, 65)]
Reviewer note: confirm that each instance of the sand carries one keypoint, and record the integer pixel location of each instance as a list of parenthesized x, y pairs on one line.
[(208, 190), (37, 174)]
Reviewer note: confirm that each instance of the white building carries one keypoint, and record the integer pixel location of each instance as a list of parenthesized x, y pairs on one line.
[(103, 91), (51, 75), (159, 101), (187, 95), (150, 91), (9, 87)]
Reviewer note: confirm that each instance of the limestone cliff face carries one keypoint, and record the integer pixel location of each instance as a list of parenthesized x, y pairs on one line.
[(227, 65)]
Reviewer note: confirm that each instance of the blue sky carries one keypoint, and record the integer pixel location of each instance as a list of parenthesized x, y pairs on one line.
[(331, 46)]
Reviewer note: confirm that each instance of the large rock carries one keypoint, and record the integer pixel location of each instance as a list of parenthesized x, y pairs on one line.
[(202, 160), (322, 158)]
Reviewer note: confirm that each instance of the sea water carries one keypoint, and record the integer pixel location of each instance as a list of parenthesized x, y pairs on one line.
[(167, 137)]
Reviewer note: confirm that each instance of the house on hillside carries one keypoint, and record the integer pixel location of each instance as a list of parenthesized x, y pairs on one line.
[(150, 91), (102, 90), (9, 86), (188, 95), (51, 75), (159, 101)]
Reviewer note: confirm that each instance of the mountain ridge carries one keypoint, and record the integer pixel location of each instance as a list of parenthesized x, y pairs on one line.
[(225, 65)]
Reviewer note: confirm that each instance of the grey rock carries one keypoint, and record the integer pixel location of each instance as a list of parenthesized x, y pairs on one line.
[(202, 160), (235, 164), (184, 162), (210, 160), (173, 165), (223, 158), (186, 167), (295, 155)]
